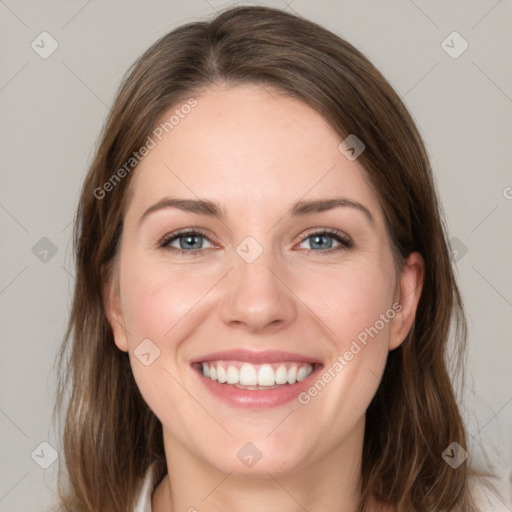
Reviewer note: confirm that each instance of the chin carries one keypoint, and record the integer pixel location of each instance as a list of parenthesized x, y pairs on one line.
[(258, 459)]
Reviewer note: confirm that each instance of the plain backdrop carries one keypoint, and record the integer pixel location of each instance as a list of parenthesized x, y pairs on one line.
[(53, 106)]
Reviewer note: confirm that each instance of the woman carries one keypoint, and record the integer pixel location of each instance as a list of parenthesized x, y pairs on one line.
[(264, 289)]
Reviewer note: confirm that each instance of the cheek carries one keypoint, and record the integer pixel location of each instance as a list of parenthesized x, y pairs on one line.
[(157, 304), (348, 298), (350, 302), (156, 299)]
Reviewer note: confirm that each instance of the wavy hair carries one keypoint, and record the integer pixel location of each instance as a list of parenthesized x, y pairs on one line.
[(110, 435)]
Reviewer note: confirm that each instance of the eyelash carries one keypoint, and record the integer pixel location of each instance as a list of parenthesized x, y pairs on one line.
[(345, 242)]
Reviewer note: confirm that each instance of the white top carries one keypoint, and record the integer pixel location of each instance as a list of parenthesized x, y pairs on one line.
[(143, 503)]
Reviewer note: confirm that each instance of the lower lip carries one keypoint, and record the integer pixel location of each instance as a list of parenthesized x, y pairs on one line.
[(260, 398)]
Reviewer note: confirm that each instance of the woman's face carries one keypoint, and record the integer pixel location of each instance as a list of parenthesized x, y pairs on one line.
[(265, 290)]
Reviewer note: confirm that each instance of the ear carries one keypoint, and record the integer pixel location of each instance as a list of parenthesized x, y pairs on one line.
[(407, 294), (113, 309)]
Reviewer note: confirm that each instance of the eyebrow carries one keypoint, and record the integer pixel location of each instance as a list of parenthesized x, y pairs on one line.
[(214, 209)]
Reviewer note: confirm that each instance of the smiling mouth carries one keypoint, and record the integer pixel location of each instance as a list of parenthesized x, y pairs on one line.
[(248, 376)]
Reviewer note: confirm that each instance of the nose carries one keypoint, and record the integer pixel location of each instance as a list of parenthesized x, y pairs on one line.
[(257, 297)]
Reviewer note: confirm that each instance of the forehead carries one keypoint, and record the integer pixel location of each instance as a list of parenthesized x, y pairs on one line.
[(250, 148)]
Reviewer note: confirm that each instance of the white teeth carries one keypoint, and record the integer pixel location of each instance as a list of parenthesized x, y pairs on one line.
[(281, 375), (303, 372), (221, 374), (248, 375), (232, 375), (292, 375), (265, 375)]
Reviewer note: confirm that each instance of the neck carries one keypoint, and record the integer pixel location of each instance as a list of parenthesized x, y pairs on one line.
[(330, 483)]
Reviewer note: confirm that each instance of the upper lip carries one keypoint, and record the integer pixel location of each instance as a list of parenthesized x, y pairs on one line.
[(250, 356)]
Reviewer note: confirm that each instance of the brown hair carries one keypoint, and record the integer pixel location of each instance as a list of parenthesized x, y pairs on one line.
[(111, 436)]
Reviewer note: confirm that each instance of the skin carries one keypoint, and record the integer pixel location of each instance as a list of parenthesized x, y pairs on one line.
[(257, 153)]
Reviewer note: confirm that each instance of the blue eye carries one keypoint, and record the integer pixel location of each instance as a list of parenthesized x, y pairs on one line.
[(190, 242), (320, 239), (187, 240)]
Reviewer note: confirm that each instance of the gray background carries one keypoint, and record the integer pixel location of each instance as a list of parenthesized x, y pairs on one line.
[(52, 110)]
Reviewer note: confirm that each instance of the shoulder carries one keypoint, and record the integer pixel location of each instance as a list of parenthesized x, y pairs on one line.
[(143, 503)]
